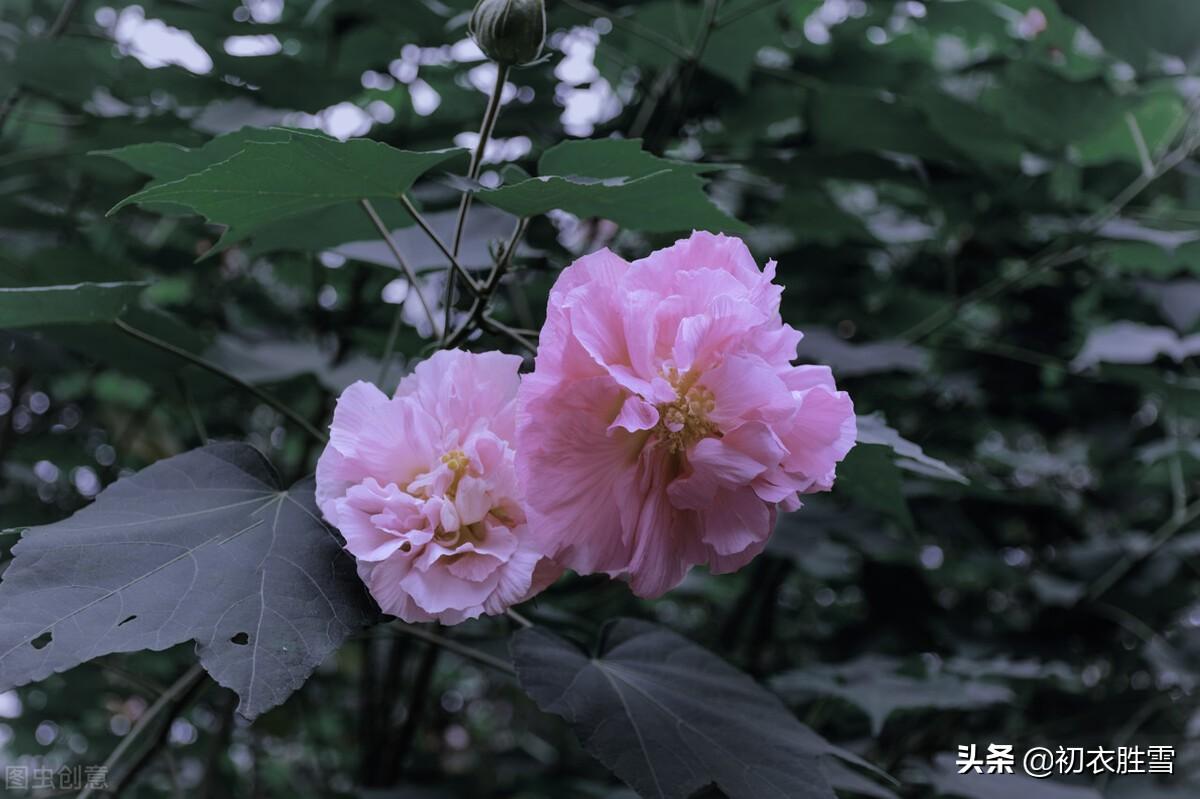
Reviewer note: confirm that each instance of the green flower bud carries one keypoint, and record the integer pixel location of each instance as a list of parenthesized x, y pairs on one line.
[(510, 32)]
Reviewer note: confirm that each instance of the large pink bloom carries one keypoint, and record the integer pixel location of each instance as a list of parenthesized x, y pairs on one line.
[(424, 488), (664, 421)]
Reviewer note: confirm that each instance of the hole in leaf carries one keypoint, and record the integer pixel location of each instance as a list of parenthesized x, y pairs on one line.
[(43, 640), (126, 621), (241, 639)]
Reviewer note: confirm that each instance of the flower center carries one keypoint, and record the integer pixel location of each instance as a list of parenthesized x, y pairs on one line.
[(684, 421), (456, 460)]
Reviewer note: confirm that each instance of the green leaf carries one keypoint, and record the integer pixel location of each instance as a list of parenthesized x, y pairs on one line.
[(205, 546), (1049, 111), (271, 181), (76, 303), (875, 685), (671, 718), (615, 179), (166, 162)]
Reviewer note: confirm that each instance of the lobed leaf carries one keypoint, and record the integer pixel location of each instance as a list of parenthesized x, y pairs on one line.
[(269, 181), (671, 718), (205, 546)]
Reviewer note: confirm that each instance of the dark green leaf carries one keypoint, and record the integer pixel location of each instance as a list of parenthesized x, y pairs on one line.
[(78, 303), (270, 181), (615, 179)]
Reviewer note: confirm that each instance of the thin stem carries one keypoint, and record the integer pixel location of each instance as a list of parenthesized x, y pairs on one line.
[(408, 272), (464, 206), (1161, 536), (385, 363), (437, 241), (631, 26), (520, 338), (170, 704), (501, 266), (450, 645), (211, 367), (193, 411), (711, 8), (518, 618)]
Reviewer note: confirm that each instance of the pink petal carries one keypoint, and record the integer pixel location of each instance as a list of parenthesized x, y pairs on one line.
[(636, 414)]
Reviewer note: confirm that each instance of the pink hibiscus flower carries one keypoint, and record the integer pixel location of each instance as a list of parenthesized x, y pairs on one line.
[(423, 487), (664, 421)]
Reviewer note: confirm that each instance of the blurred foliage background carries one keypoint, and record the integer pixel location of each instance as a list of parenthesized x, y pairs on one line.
[(985, 214)]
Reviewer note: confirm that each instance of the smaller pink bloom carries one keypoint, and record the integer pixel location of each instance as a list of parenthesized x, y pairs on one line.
[(423, 487), (665, 422)]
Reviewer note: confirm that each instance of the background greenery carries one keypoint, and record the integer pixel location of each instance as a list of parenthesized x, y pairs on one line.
[(984, 213)]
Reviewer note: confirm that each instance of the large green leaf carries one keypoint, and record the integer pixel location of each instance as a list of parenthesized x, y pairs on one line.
[(166, 162), (671, 718), (615, 179), (205, 546), (266, 182), (76, 303)]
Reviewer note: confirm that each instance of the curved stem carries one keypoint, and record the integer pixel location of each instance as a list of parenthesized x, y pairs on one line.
[(389, 349), (211, 367), (404, 267), (464, 206), (1161, 537), (171, 703)]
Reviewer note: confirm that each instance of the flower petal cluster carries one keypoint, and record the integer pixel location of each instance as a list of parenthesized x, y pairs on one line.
[(665, 422), (423, 487)]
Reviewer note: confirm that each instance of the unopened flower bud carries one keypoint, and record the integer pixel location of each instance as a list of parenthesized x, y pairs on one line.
[(510, 32)]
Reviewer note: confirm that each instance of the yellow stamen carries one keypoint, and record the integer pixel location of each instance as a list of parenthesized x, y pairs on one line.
[(684, 421)]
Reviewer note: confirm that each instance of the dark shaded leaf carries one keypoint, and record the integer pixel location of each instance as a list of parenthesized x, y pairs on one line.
[(205, 546), (670, 717)]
